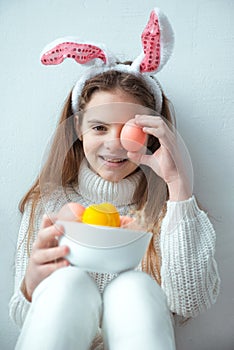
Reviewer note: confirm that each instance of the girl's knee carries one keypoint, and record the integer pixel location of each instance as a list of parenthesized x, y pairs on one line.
[(134, 288), (65, 281), (132, 298), (132, 282), (68, 275)]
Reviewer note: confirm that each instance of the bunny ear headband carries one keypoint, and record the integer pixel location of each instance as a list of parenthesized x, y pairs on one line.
[(157, 41)]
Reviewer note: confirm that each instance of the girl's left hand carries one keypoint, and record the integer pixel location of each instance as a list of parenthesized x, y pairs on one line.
[(171, 161)]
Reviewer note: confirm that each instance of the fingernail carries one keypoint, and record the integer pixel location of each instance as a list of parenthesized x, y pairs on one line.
[(66, 249)]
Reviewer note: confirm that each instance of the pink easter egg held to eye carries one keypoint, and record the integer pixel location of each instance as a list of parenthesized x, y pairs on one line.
[(132, 136)]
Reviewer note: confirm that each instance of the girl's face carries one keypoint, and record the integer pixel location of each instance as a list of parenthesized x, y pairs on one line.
[(102, 121)]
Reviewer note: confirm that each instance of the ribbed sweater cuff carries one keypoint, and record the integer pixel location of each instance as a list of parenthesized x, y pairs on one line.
[(187, 209), (19, 307), (178, 212)]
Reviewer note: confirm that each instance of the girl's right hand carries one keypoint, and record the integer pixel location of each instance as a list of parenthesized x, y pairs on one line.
[(46, 256)]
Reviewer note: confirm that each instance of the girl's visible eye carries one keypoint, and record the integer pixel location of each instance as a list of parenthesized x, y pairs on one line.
[(100, 128)]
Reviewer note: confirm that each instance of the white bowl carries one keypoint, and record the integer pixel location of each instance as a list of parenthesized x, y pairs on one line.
[(102, 248)]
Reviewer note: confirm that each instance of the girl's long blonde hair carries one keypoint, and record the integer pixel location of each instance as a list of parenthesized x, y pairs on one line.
[(152, 194)]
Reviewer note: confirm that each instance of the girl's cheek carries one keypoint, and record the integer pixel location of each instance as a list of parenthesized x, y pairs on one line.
[(91, 144)]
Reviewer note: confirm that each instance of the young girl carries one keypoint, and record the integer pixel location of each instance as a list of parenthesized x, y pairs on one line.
[(62, 307)]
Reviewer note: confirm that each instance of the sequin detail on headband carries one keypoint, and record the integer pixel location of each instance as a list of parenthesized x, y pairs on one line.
[(81, 53), (151, 44)]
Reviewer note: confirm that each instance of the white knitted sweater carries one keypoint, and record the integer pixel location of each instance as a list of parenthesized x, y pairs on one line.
[(187, 242)]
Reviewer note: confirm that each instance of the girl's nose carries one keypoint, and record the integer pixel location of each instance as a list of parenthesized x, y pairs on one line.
[(112, 142)]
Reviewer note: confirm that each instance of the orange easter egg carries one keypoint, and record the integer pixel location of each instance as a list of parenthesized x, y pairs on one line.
[(104, 214), (132, 136), (125, 220), (71, 212)]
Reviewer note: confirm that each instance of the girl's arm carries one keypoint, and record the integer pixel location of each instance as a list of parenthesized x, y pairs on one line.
[(19, 305), (189, 272), (46, 257)]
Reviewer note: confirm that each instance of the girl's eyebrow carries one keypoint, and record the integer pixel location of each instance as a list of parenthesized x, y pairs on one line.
[(96, 121)]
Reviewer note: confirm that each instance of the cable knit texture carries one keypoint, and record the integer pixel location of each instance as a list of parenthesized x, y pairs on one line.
[(189, 272)]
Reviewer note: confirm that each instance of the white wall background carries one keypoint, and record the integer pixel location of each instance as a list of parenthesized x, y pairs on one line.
[(199, 79)]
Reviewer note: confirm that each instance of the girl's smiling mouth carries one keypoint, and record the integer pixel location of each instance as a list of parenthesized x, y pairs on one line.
[(113, 161)]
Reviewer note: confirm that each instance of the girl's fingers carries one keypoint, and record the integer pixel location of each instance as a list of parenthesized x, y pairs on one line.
[(48, 220), (135, 157), (43, 256), (145, 159), (164, 135), (47, 269), (47, 236), (149, 121), (156, 127)]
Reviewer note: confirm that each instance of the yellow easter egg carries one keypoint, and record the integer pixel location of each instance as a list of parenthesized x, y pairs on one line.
[(104, 214)]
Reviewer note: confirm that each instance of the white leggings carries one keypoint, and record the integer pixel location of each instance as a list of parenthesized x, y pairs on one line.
[(67, 310)]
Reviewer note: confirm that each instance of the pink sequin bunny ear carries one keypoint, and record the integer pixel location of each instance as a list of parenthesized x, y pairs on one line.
[(83, 53), (157, 41)]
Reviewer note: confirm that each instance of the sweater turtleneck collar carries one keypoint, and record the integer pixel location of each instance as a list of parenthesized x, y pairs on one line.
[(95, 189)]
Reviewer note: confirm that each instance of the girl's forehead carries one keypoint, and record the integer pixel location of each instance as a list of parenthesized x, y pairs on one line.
[(101, 97), (115, 112)]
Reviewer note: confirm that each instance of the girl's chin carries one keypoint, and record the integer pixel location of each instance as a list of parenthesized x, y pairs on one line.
[(113, 171), (114, 176)]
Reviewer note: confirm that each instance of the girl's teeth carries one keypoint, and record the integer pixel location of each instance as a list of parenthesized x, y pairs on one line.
[(114, 160)]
